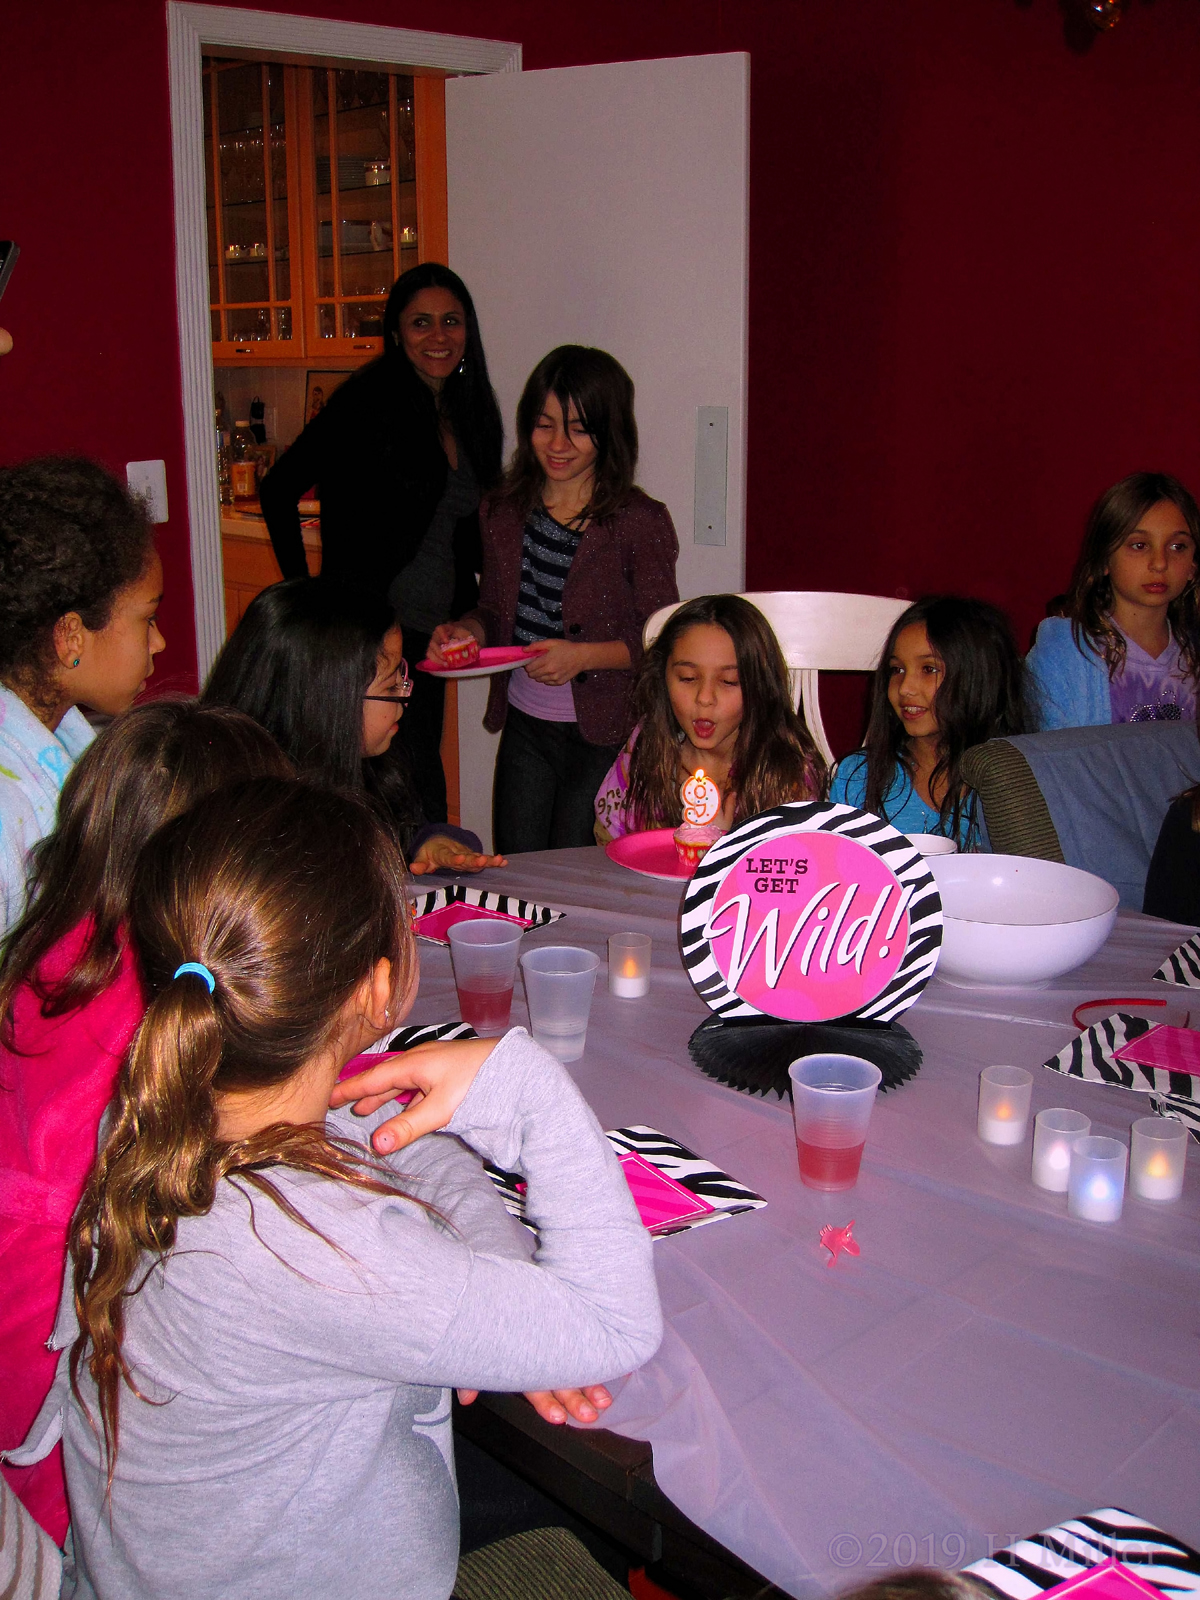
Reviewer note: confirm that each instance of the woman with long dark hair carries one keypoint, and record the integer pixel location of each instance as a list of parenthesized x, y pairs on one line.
[(949, 677), (400, 455), (576, 558), (321, 668), (1128, 647)]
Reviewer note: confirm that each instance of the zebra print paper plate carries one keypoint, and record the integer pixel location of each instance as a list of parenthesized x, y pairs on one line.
[(809, 913)]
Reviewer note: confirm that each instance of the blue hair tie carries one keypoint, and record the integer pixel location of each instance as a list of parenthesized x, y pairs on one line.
[(200, 970)]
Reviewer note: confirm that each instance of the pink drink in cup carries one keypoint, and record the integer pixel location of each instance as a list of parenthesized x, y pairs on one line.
[(832, 1097), (485, 967)]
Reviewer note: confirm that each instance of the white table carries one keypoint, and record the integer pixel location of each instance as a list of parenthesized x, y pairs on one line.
[(985, 1368)]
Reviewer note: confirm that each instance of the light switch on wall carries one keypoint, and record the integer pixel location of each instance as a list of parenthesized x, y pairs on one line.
[(148, 481)]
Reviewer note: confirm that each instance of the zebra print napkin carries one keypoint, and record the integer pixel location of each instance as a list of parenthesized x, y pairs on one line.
[(724, 1194), (1183, 964), (1092, 1055), (1185, 1111), (1028, 1568), (510, 905)]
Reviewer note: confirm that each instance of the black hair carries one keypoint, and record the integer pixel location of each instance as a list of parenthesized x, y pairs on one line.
[(467, 399), (602, 393), (299, 662), (1111, 520), (71, 538), (981, 696)]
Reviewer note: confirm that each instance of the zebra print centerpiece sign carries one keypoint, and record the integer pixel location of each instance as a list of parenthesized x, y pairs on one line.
[(811, 912)]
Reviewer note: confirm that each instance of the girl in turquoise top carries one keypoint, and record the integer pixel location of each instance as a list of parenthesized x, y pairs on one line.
[(949, 677)]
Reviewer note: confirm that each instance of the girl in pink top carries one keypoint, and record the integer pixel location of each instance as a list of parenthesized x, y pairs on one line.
[(70, 1001)]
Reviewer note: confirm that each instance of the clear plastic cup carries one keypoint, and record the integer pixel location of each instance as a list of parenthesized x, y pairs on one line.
[(485, 968), (559, 980), (832, 1098)]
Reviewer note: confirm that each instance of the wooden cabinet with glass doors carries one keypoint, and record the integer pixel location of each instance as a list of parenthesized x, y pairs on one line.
[(323, 186)]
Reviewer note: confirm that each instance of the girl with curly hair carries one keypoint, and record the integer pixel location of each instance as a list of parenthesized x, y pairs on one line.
[(80, 585), (1128, 647)]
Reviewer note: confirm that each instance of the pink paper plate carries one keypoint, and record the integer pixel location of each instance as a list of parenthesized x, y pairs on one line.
[(436, 925), (492, 658), (652, 854)]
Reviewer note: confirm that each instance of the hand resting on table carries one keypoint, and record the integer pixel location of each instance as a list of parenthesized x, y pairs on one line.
[(444, 852)]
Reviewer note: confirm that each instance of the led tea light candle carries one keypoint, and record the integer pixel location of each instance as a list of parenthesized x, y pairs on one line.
[(1004, 1095), (1096, 1187), (629, 965), (1157, 1158), (1054, 1132)]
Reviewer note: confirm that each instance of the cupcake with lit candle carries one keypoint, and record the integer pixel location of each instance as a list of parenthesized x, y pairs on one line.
[(700, 828)]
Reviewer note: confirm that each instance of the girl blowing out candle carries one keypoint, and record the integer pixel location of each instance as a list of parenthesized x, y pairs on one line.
[(713, 694), (268, 1309)]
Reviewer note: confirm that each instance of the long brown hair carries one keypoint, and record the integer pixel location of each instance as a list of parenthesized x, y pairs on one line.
[(1089, 600), (151, 763), (981, 696), (774, 759), (602, 393), (289, 893)]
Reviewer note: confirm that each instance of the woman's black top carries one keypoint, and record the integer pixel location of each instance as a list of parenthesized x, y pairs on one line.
[(376, 459), (1173, 882)]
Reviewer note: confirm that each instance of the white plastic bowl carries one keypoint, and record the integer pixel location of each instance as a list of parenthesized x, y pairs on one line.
[(1013, 920), (932, 844)]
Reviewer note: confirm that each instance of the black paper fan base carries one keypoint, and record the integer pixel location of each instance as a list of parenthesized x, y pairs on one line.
[(754, 1054)]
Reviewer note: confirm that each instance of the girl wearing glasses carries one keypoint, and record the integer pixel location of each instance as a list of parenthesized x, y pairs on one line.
[(321, 667)]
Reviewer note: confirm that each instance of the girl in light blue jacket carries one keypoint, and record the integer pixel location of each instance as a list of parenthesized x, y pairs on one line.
[(1128, 648)]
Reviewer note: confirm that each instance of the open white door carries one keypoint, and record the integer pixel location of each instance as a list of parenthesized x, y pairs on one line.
[(607, 206)]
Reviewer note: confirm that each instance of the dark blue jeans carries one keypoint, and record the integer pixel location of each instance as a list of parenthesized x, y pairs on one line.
[(547, 776)]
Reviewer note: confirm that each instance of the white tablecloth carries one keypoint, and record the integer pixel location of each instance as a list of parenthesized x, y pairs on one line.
[(985, 1368)]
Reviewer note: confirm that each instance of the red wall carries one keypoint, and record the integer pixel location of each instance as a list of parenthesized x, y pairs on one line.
[(974, 257)]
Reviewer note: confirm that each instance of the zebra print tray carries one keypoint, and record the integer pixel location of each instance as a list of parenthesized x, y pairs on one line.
[(1042, 1562), (724, 1194), (458, 894)]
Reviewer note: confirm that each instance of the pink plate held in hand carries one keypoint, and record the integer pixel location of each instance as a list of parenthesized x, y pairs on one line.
[(652, 854), (492, 659)]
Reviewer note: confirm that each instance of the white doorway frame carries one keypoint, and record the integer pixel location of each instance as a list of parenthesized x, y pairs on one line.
[(192, 30)]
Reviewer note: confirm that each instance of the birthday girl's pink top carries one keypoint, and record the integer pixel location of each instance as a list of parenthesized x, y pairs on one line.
[(52, 1096)]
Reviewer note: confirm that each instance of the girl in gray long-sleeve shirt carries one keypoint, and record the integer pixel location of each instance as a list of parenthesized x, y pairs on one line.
[(294, 1316)]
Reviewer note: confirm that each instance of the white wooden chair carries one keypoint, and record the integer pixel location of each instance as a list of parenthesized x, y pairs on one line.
[(818, 631)]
